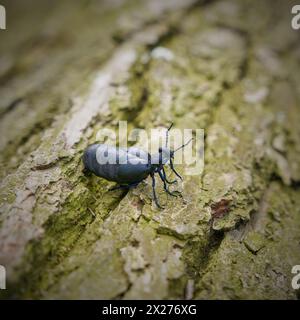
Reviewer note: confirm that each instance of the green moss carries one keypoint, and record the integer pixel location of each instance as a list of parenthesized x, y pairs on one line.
[(254, 242)]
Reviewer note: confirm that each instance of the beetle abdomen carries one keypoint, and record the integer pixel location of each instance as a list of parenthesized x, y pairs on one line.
[(91, 163), (130, 173), (115, 164)]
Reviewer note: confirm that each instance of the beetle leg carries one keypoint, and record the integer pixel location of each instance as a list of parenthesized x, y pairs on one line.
[(165, 177), (122, 186), (165, 185), (86, 172), (154, 193), (133, 185), (173, 169), (125, 186)]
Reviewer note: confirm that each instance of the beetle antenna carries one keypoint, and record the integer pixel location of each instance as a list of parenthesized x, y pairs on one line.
[(167, 134), (183, 145)]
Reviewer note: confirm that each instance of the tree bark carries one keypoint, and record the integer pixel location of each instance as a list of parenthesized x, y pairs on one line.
[(68, 69)]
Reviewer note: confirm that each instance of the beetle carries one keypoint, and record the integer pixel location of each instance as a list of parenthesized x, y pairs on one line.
[(131, 166)]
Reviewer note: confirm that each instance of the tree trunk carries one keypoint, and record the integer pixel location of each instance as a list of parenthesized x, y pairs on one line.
[(70, 68)]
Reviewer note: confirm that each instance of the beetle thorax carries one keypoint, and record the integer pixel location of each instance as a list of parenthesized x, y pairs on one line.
[(162, 157)]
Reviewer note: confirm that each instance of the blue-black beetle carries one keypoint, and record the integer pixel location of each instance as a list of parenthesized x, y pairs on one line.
[(130, 166)]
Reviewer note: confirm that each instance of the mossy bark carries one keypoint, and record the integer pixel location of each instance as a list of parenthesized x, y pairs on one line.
[(68, 69)]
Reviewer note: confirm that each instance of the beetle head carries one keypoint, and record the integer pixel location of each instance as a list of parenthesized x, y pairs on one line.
[(164, 153)]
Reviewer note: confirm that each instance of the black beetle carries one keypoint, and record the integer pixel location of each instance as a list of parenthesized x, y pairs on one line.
[(130, 166)]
